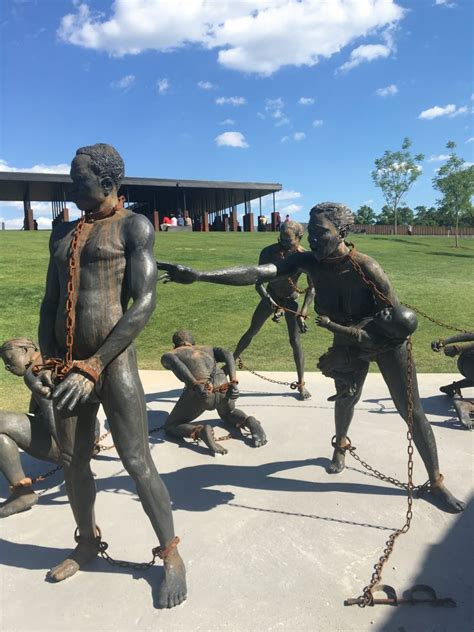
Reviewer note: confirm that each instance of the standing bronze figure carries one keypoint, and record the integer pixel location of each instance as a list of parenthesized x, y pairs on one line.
[(206, 388), (350, 287), (464, 407), (98, 266), (281, 297)]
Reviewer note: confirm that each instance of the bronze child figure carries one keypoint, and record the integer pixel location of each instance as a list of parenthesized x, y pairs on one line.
[(464, 407), (282, 292), (100, 293), (34, 433), (362, 342), (206, 388), (350, 287)]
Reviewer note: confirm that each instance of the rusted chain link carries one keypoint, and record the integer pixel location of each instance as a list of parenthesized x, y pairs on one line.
[(242, 366), (434, 320)]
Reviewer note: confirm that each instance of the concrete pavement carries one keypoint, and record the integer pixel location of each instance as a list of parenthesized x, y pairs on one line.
[(270, 540)]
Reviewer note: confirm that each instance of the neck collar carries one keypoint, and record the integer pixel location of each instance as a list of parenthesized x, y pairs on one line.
[(89, 218)]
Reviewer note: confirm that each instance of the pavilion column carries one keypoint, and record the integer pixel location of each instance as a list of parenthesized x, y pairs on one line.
[(156, 220), (205, 222), (28, 222), (65, 214), (234, 224), (274, 221)]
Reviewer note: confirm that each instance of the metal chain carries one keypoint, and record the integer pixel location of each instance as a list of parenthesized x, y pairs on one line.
[(242, 366), (103, 546), (434, 320)]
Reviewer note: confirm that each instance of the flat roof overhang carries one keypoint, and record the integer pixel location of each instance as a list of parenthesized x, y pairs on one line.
[(193, 195)]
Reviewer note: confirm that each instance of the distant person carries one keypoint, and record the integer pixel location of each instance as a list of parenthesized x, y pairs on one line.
[(35, 225), (173, 220), (188, 221), (410, 229), (277, 221), (262, 223), (180, 220), (166, 223), (287, 219)]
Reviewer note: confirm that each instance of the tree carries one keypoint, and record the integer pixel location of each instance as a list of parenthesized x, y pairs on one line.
[(385, 216), (365, 215), (426, 216), (394, 174), (456, 184)]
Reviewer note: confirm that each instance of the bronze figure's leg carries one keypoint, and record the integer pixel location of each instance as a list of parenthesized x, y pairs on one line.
[(76, 435), (343, 413), (20, 431), (298, 355), (455, 387), (237, 418), (187, 409), (123, 400), (393, 365), (262, 312)]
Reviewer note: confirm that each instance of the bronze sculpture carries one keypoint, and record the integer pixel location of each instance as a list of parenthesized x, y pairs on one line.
[(206, 388), (464, 407), (350, 287), (97, 266), (282, 292), (34, 433)]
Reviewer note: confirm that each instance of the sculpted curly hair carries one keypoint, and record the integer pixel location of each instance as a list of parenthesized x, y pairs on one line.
[(182, 337), (296, 227), (105, 161), (339, 214)]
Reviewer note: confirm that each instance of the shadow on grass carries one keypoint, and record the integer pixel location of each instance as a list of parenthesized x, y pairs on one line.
[(451, 254)]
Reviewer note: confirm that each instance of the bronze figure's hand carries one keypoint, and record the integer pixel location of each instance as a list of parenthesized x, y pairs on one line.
[(74, 389), (303, 327), (233, 391), (322, 321), (437, 345), (176, 273), (41, 384)]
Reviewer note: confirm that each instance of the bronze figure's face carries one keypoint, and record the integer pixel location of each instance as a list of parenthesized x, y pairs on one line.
[(323, 236), (289, 240), (17, 360), (89, 190)]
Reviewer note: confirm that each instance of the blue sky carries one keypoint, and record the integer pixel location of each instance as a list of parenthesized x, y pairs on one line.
[(306, 93)]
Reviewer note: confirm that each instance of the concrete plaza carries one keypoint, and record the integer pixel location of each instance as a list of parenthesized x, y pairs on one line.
[(270, 540)]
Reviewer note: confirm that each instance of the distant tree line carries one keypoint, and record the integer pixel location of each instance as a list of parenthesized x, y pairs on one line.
[(394, 174)]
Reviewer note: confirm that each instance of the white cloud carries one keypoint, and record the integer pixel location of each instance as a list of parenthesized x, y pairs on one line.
[(448, 110), (163, 85), (206, 85), (470, 140), (306, 101), (227, 121), (281, 196), (317, 123), (236, 101), (125, 83), (40, 168), (297, 137), (438, 158), (445, 3), (290, 209), (257, 36), (231, 139), (366, 52), (387, 91), (275, 110)]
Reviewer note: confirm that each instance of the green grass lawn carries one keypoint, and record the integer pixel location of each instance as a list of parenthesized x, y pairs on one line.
[(427, 272)]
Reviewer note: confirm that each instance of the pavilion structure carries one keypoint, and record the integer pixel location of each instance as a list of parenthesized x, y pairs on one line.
[(212, 205)]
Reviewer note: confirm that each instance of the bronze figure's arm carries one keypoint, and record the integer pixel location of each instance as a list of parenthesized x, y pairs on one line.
[(172, 362)]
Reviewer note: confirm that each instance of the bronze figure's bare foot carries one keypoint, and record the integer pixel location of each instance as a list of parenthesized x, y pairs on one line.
[(173, 590), (207, 435), (303, 393), (84, 552), (338, 462), (259, 437), (444, 500), (21, 500)]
